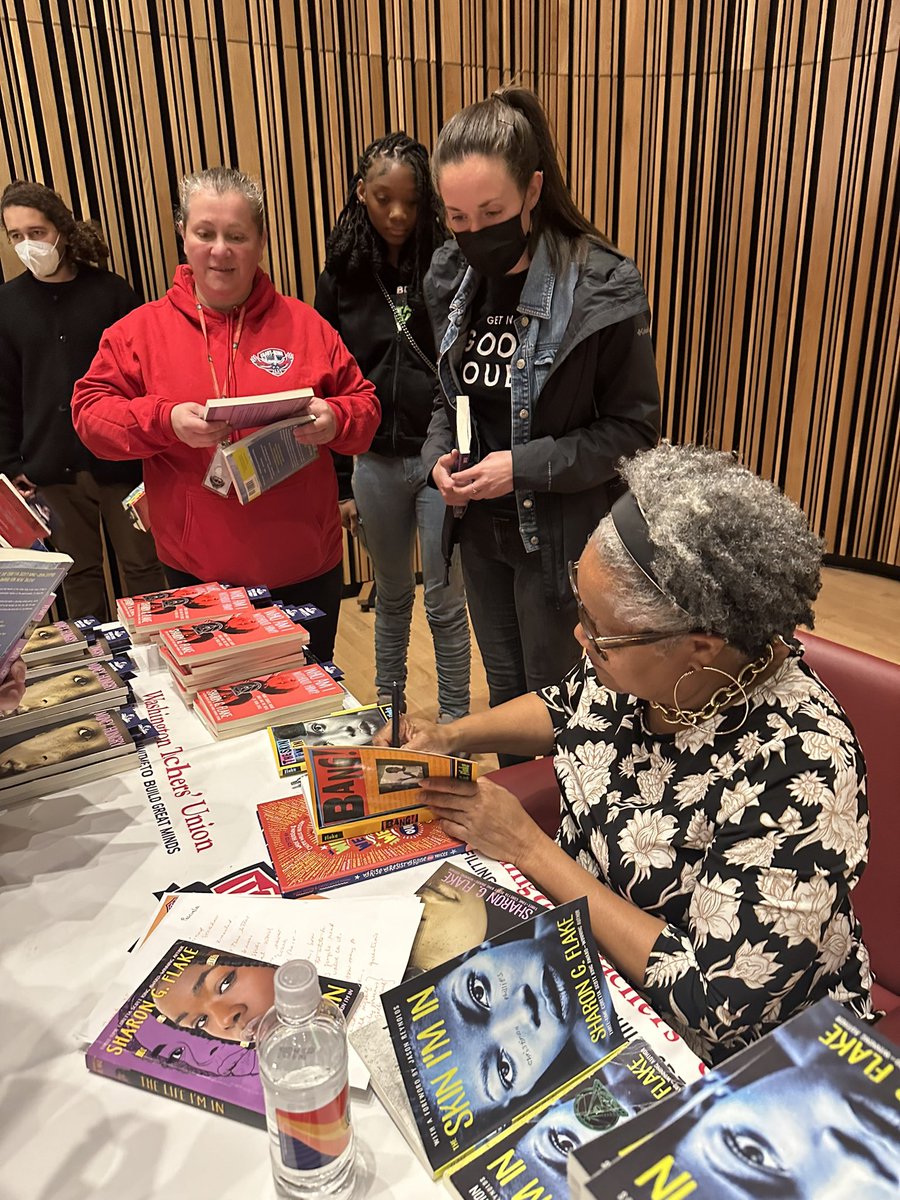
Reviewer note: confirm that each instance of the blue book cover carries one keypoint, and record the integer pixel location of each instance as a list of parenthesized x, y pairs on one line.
[(263, 459), (28, 579), (499, 1031), (811, 1109)]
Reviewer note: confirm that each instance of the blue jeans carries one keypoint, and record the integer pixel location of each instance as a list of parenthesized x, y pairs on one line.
[(393, 500)]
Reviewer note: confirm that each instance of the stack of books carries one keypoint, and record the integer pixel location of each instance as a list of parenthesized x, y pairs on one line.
[(216, 652), (305, 692), (70, 752), (50, 648), (151, 615), (68, 691)]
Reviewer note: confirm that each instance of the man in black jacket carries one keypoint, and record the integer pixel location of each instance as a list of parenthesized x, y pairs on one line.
[(52, 317)]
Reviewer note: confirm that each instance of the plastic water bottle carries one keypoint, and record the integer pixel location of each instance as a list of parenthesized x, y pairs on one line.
[(302, 1050)]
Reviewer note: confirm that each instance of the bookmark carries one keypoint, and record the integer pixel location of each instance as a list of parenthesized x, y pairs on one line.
[(463, 442)]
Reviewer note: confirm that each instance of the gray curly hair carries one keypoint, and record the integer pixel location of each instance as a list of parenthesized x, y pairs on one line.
[(732, 550), (221, 181)]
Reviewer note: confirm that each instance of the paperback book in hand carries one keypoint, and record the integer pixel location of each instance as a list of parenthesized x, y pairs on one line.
[(360, 789)]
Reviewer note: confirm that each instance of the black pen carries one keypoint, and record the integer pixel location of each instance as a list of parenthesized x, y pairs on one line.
[(395, 713)]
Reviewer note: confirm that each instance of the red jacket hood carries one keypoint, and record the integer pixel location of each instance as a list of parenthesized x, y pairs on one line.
[(182, 295)]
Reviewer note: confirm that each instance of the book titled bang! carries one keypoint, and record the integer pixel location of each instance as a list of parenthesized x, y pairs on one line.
[(359, 789), (173, 1036)]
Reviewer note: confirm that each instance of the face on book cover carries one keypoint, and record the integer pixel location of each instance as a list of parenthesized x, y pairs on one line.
[(54, 746), (794, 1134), (220, 1000), (44, 637), (453, 920), (181, 1051), (352, 729), (509, 1016), (57, 689)]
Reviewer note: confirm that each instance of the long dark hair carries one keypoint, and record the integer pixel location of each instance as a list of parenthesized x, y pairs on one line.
[(354, 247), (84, 241), (511, 125)]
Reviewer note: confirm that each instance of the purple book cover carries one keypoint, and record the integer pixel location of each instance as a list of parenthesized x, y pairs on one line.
[(189, 1031)]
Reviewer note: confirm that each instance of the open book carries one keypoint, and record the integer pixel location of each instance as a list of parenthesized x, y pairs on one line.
[(360, 789)]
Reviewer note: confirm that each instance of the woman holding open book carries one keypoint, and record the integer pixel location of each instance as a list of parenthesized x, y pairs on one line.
[(223, 330), (543, 330), (371, 292), (713, 793)]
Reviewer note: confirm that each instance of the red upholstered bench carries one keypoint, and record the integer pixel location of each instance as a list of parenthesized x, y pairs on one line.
[(869, 691)]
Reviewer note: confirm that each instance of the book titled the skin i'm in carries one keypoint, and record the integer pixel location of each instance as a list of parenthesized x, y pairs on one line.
[(530, 1158), (174, 1037), (496, 1032), (811, 1109)]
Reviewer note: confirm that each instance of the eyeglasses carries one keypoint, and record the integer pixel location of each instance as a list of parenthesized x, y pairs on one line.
[(602, 644)]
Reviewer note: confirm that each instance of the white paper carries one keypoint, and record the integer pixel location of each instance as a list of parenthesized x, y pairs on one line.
[(366, 941)]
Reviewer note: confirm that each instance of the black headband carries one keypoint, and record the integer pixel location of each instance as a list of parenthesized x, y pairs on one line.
[(631, 526)]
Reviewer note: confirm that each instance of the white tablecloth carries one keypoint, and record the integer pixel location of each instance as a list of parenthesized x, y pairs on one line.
[(77, 875)]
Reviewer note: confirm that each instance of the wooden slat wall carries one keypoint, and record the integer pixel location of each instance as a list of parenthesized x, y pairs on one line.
[(746, 154)]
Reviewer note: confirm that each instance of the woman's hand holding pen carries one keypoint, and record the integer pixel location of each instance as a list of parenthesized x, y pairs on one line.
[(418, 735)]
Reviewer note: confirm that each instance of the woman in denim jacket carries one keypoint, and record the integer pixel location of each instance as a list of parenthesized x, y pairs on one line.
[(544, 327)]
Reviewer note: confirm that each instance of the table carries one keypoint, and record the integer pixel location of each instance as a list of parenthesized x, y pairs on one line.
[(77, 875)]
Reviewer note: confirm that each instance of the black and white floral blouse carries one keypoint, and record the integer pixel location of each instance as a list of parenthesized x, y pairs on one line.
[(747, 844)]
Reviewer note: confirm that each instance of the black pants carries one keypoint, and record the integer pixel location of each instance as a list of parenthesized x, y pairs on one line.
[(76, 511), (324, 591), (525, 641)]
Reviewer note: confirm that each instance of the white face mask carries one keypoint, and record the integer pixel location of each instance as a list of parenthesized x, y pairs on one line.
[(40, 258)]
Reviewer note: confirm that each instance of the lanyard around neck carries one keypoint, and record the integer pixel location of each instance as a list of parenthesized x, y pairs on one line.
[(235, 342)]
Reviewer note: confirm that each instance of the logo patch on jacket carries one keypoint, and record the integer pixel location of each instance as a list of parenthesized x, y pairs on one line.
[(273, 360)]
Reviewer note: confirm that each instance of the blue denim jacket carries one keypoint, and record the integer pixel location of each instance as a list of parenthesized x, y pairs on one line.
[(548, 329)]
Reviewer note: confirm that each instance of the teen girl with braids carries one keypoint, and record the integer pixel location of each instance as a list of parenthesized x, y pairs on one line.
[(371, 292), (52, 317), (545, 327)]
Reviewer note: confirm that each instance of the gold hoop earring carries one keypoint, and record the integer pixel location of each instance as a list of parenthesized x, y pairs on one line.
[(721, 697)]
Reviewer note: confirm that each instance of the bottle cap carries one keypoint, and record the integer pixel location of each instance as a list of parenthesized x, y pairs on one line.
[(297, 991)]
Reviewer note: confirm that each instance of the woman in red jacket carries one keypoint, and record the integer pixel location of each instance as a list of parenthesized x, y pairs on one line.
[(223, 330)]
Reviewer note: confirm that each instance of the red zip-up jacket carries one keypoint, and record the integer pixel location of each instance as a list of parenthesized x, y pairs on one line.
[(155, 358)]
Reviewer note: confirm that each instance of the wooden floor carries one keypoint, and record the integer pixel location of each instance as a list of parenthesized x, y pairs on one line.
[(853, 608)]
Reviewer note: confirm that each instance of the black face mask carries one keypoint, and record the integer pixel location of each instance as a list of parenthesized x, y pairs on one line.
[(495, 249)]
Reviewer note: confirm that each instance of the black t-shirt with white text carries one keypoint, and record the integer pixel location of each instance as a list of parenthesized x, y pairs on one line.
[(492, 343)]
